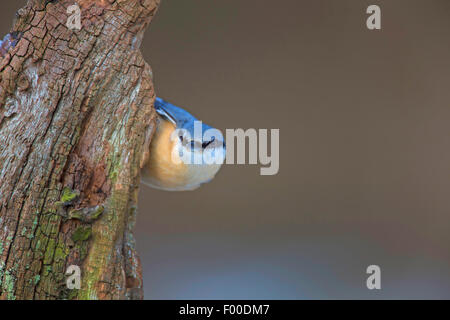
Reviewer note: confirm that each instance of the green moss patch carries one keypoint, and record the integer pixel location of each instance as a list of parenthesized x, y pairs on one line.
[(82, 234)]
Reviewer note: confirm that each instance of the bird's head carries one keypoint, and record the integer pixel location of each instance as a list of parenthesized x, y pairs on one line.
[(199, 144), (185, 152)]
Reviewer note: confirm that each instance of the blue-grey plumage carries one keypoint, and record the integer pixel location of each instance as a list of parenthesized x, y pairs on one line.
[(184, 152), (182, 118)]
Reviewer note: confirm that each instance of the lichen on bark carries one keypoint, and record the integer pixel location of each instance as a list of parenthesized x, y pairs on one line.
[(76, 120)]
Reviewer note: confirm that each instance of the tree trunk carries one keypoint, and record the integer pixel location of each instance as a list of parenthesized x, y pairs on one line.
[(76, 119)]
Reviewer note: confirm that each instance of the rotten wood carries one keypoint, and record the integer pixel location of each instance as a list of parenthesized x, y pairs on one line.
[(76, 119)]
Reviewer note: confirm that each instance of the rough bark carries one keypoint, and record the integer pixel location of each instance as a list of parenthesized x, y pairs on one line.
[(76, 119)]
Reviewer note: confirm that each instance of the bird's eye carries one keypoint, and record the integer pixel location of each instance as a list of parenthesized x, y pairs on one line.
[(181, 138), (207, 143)]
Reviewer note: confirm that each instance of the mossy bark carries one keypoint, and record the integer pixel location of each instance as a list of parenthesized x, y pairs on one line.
[(76, 119)]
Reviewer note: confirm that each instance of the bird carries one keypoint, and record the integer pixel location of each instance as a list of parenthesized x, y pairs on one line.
[(9, 41), (184, 152)]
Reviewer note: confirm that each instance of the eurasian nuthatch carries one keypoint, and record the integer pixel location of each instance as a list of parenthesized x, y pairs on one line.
[(184, 152)]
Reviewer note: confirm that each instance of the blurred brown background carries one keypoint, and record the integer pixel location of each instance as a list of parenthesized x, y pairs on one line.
[(364, 150)]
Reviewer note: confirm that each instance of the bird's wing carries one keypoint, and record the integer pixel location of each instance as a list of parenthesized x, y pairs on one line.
[(180, 117), (162, 110)]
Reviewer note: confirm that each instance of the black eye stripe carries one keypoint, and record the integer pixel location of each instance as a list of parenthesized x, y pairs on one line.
[(207, 143)]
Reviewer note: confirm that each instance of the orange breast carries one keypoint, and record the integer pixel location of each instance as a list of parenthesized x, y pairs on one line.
[(161, 171)]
